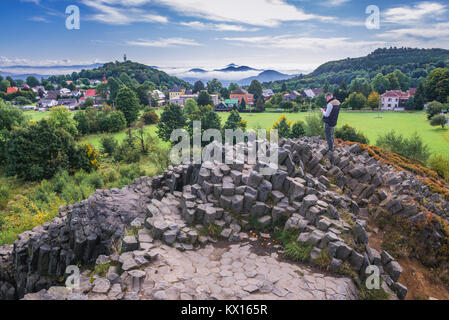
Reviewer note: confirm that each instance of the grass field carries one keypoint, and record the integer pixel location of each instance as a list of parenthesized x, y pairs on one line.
[(367, 122)]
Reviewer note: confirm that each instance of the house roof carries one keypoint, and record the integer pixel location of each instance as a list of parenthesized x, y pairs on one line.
[(90, 93), (176, 89), (12, 89), (396, 94), (317, 91), (309, 93), (239, 91), (412, 91)]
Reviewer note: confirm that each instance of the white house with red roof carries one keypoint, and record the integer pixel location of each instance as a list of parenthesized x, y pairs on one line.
[(394, 100)]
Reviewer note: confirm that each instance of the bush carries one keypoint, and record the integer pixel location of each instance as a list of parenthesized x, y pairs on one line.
[(298, 129), (114, 122), (4, 196), (440, 165), (434, 108), (283, 126), (108, 145), (439, 120), (314, 125), (348, 133), (298, 251), (150, 118), (412, 147)]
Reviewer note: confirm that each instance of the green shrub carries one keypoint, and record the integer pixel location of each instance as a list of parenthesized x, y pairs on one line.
[(298, 251), (314, 125), (108, 145), (298, 129), (434, 108), (348, 133), (95, 180), (440, 164), (150, 118), (4, 195), (412, 147), (439, 120)]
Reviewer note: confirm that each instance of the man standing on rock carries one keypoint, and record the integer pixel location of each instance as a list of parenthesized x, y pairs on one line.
[(330, 118)]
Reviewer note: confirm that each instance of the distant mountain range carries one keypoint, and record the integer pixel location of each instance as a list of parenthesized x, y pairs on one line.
[(24, 71), (232, 73)]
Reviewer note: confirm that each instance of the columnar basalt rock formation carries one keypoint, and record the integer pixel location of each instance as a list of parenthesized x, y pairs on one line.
[(136, 230)]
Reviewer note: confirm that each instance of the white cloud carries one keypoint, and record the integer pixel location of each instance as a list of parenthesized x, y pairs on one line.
[(8, 62), (414, 14), (33, 1), (291, 41), (216, 27), (429, 32), (335, 3), (39, 19), (267, 13), (163, 43), (121, 16)]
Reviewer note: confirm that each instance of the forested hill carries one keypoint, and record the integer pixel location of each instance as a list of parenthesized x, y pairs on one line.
[(134, 70), (415, 63)]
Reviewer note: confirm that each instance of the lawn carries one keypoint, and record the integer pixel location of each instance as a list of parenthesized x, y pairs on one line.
[(367, 122)]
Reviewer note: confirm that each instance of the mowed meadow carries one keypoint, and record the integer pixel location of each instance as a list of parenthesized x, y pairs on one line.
[(368, 122)]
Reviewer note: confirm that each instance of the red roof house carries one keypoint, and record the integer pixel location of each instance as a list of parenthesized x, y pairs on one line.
[(12, 89), (394, 99), (412, 91), (90, 93)]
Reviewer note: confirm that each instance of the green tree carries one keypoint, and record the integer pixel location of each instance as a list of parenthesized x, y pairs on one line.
[(4, 85), (283, 127), (114, 87), (114, 121), (404, 81), (61, 117), (298, 129), (39, 151), (171, 119), (255, 88), (355, 101), (420, 99), (437, 85), (32, 81), (434, 108), (204, 99), (190, 107), (142, 94), (150, 118), (10, 117), (373, 101), (379, 84), (260, 105), (128, 103), (82, 122), (198, 86), (235, 122), (393, 81), (214, 86), (439, 120)]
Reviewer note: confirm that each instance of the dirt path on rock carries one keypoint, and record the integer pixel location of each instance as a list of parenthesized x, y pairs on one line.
[(417, 278)]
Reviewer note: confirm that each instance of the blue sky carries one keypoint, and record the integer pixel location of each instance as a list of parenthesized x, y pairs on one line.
[(286, 35)]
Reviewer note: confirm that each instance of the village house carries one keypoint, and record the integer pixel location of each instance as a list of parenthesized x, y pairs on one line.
[(226, 105), (12, 89), (291, 96), (46, 103), (240, 94), (65, 92), (176, 92), (159, 96), (308, 93), (394, 100), (181, 100), (52, 94), (317, 91), (71, 103), (267, 94)]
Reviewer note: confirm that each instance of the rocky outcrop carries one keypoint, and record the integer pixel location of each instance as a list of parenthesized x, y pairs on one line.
[(327, 204)]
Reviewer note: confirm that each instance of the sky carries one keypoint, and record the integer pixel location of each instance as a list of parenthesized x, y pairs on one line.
[(291, 36)]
